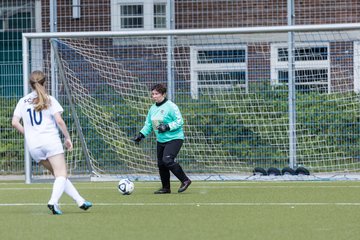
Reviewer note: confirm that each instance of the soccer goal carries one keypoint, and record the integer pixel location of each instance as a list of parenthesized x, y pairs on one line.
[(231, 85)]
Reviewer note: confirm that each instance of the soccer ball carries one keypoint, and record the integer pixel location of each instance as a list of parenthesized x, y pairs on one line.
[(125, 186)]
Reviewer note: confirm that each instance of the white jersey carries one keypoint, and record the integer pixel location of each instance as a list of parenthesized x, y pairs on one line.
[(39, 127)]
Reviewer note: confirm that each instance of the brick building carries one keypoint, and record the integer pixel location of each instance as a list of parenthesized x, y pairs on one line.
[(117, 15)]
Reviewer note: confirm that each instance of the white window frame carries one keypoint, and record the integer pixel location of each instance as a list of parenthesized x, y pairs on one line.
[(148, 15), (196, 67), (160, 16), (277, 66), (356, 59), (36, 44), (8, 11)]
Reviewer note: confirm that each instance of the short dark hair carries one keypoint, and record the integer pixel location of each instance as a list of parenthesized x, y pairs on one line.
[(161, 88)]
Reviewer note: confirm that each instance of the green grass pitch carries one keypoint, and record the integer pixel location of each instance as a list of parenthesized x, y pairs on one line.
[(207, 210)]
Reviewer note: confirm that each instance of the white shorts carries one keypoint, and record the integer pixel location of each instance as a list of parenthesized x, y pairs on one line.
[(44, 152)]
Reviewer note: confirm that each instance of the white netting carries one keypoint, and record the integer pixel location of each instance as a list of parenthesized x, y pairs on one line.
[(204, 154), (233, 94)]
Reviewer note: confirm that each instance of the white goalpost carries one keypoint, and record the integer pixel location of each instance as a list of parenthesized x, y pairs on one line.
[(231, 86)]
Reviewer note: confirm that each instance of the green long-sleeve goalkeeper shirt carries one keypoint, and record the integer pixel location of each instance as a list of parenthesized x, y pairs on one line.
[(166, 112)]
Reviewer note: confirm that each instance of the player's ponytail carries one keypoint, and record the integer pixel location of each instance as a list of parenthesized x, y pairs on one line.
[(37, 82)]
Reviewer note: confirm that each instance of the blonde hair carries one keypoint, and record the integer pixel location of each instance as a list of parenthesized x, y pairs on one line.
[(37, 82)]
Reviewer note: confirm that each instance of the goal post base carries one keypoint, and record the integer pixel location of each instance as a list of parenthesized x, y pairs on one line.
[(235, 177)]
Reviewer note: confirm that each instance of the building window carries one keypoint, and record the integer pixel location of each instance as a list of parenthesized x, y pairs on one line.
[(143, 14), (304, 54), (160, 15), (132, 16), (312, 67), (220, 78), (17, 18), (218, 67)]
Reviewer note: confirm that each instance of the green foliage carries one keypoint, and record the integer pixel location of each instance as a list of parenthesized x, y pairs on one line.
[(332, 120), (327, 125), (12, 142), (329, 121)]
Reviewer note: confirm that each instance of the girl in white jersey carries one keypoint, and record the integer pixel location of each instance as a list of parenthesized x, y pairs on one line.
[(41, 117)]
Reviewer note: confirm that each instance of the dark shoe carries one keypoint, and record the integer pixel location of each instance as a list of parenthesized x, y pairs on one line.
[(184, 185), (162, 191), (54, 209), (86, 205)]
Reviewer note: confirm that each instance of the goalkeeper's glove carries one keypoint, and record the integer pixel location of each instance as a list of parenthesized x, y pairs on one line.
[(138, 137), (163, 128)]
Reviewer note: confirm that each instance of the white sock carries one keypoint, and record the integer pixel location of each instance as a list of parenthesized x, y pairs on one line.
[(58, 189), (73, 193)]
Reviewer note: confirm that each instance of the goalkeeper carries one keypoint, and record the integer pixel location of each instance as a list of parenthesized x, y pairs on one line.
[(165, 119)]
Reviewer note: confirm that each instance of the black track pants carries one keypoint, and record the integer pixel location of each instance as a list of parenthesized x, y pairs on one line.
[(166, 154)]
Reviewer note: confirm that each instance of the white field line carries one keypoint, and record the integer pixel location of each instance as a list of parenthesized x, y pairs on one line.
[(192, 187), (196, 204)]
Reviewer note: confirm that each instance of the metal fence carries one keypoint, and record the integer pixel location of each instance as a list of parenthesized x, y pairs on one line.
[(232, 89)]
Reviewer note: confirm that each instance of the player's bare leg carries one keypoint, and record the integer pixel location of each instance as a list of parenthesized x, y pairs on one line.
[(57, 166), (69, 188)]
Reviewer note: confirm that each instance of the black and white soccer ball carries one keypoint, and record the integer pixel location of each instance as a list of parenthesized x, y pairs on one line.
[(125, 186)]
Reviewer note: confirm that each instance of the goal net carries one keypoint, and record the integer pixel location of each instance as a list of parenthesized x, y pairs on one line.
[(232, 90)]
